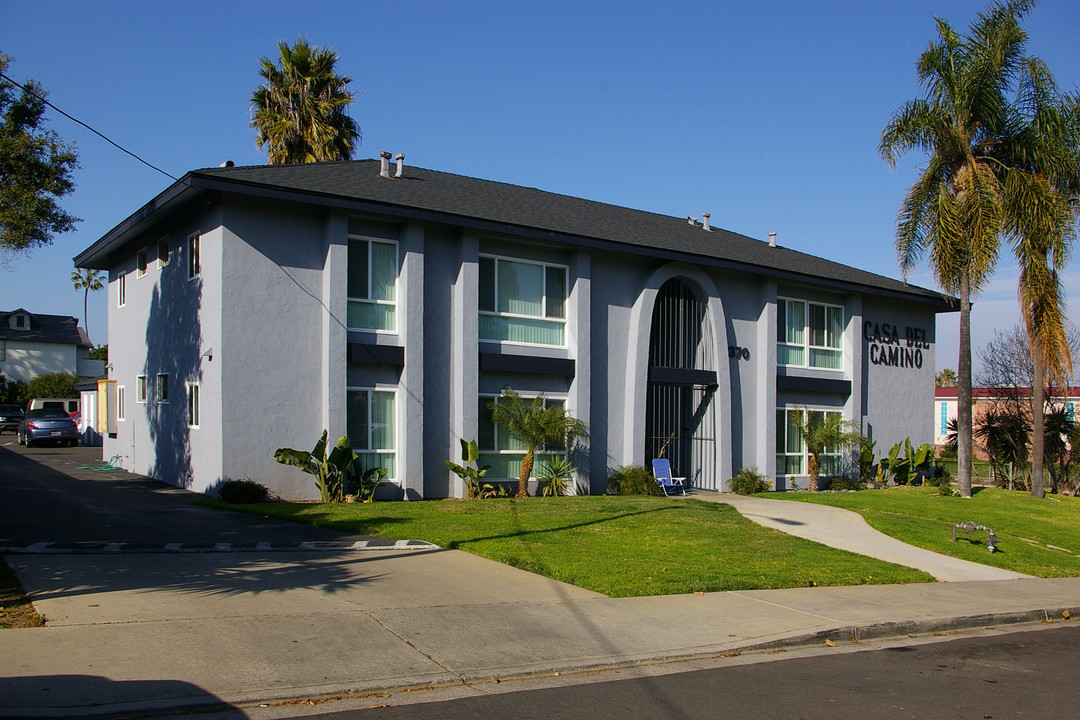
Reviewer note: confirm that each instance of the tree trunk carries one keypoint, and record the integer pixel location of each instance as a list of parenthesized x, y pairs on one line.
[(814, 467), (1038, 433), (523, 476), (963, 393)]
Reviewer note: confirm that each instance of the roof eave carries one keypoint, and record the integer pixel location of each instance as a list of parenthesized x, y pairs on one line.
[(96, 257), (941, 303)]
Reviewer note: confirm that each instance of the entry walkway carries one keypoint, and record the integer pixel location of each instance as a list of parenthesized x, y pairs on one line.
[(848, 530)]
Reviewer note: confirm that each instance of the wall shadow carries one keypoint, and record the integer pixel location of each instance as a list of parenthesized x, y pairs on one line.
[(173, 350)]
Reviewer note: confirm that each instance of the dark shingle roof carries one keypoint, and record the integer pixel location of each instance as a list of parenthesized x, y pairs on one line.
[(44, 328), (522, 210)]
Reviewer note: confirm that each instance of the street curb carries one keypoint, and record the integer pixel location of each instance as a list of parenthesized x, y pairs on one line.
[(115, 548), (845, 634)]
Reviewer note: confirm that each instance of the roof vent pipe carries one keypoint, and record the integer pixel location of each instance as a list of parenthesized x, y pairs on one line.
[(384, 166), (690, 220), (227, 164), (772, 239), (400, 157), (705, 220)]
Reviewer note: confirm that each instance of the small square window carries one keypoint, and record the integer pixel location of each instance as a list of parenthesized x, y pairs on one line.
[(140, 263), (161, 388)]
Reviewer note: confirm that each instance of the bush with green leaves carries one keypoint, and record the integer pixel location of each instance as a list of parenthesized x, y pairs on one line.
[(329, 471), (632, 480), (471, 473), (749, 481), (53, 385), (556, 474), (845, 482), (242, 492), (369, 482)]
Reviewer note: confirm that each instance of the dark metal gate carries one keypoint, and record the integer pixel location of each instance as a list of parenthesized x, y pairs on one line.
[(679, 419)]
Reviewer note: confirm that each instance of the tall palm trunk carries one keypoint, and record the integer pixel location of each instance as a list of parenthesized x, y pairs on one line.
[(963, 392), (814, 469), (1038, 434)]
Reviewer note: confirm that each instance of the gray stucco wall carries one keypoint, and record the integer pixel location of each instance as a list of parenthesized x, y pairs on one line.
[(263, 329)]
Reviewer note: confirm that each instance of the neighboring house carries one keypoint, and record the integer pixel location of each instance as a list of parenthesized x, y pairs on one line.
[(32, 344), (984, 399), (252, 307)]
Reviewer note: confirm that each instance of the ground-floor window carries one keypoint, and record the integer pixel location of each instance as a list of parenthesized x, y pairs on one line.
[(503, 452), (792, 457), (120, 392), (371, 428), (193, 405)]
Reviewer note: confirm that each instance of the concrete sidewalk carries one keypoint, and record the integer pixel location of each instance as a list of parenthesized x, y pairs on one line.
[(145, 633), (848, 530)]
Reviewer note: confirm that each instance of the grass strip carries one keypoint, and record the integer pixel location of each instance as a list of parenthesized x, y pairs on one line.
[(1039, 536), (618, 546), (16, 610)]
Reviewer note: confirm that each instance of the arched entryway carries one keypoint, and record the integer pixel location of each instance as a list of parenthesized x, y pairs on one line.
[(680, 420)]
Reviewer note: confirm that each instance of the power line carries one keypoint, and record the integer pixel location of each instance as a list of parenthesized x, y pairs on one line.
[(27, 89)]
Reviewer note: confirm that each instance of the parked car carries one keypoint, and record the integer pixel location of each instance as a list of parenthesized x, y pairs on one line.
[(10, 417), (47, 426), (69, 405)]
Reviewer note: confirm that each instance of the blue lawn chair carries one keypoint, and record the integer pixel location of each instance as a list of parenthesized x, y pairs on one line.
[(661, 469)]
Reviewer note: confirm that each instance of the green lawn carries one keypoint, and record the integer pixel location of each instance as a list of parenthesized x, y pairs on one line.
[(1038, 537), (619, 546)]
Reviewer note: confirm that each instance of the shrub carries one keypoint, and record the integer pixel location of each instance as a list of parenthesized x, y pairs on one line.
[(749, 481), (556, 473), (846, 483), (242, 492), (632, 480)]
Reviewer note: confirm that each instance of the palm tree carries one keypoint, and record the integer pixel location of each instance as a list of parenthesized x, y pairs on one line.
[(1004, 437), (954, 210), (1041, 206), (535, 426), (299, 113), (824, 433), (88, 281)]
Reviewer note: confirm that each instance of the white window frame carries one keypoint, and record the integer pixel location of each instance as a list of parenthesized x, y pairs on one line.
[(543, 316), (121, 290), (141, 262), (393, 452), (806, 345), (194, 408), (161, 388), (353, 238), (140, 389), (120, 397), (804, 456), (163, 258), (541, 454), (194, 259)]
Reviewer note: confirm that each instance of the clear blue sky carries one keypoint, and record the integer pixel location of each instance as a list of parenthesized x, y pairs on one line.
[(765, 114)]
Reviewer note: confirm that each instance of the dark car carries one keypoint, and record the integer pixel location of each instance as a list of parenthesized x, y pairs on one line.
[(47, 426), (10, 417)]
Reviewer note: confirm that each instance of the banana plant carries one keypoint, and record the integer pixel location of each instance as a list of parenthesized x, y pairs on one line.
[(328, 471), (470, 454)]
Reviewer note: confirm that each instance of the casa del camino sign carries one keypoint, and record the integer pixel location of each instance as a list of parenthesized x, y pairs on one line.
[(895, 346)]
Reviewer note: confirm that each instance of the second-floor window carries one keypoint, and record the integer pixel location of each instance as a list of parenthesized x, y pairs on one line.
[(121, 290), (140, 263), (521, 301), (194, 243), (809, 334), (372, 287)]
